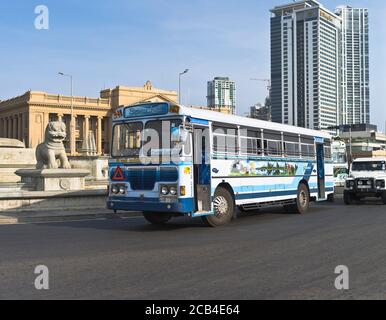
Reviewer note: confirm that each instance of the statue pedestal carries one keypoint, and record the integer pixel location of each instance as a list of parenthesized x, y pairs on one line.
[(53, 179)]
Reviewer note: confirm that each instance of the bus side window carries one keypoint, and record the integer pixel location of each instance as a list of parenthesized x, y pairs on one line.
[(291, 145), (291, 149), (327, 150), (250, 141), (273, 148), (272, 143), (308, 147), (225, 140)]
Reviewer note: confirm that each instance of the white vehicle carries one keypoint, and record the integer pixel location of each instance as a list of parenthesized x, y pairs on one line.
[(339, 159), (341, 173), (367, 179)]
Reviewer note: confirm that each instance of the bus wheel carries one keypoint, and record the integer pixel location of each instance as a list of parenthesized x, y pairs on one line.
[(223, 206), (302, 200), (157, 218)]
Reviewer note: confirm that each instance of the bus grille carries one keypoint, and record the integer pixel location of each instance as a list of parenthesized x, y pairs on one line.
[(145, 178), (142, 179), (168, 174)]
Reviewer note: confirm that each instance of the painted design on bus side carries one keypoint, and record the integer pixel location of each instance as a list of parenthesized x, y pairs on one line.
[(267, 168)]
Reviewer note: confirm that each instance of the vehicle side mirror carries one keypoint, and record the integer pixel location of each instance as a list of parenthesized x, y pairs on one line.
[(179, 134), (184, 135)]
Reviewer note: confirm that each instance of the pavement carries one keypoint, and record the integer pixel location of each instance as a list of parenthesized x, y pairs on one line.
[(267, 255), (10, 217)]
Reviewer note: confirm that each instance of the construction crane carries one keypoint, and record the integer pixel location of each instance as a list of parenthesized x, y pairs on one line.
[(268, 99), (268, 81)]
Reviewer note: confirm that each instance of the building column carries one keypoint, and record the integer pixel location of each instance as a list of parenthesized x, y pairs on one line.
[(24, 125), (99, 136), (2, 126), (14, 127), (6, 127), (46, 120), (72, 135), (20, 126), (86, 133), (10, 125)]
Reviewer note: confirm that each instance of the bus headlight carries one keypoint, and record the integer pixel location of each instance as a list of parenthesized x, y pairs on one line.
[(114, 189), (122, 190), (164, 190), (173, 191)]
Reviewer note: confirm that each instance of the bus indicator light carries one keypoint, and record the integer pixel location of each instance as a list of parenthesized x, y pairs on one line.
[(182, 190)]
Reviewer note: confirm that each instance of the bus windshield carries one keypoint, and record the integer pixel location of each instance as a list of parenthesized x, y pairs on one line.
[(127, 139), (155, 138)]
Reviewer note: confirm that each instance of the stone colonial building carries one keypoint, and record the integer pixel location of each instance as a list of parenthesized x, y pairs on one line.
[(88, 125)]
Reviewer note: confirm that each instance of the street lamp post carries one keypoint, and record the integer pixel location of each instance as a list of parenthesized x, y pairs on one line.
[(179, 84), (72, 124)]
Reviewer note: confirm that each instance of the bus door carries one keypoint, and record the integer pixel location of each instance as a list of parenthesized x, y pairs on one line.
[(320, 170), (201, 169)]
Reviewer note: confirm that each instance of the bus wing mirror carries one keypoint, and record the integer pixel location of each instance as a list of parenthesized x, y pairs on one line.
[(179, 134), (184, 135)]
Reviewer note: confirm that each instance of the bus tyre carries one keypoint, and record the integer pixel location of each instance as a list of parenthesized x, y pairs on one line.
[(223, 206), (331, 197), (157, 218), (302, 201), (348, 198)]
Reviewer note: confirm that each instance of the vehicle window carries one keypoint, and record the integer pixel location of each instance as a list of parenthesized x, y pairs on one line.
[(158, 137), (250, 142), (225, 140), (369, 166), (127, 140)]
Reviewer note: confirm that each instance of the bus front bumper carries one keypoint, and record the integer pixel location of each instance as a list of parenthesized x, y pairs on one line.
[(183, 205)]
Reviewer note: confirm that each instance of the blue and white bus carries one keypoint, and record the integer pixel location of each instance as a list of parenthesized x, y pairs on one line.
[(169, 160)]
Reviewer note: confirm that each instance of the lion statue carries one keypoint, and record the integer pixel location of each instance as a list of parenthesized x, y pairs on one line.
[(52, 148)]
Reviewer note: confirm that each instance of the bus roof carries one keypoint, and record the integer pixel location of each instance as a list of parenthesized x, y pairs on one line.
[(249, 122), (215, 116)]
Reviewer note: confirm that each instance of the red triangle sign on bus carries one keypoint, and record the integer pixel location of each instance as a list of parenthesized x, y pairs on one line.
[(118, 174)]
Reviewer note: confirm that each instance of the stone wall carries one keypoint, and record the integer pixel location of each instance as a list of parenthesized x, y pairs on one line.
[(97, 165), (12, 159)]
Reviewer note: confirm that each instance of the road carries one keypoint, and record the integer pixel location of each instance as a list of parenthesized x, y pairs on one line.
[(269, 255)]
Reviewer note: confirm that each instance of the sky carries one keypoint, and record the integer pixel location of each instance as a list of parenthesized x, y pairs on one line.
[(127, 42)]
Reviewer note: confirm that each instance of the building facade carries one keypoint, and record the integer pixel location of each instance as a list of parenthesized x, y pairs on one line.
[(25, 117), (258, 111), (305, 65), (222, 95), (355, 78), (363, 140)]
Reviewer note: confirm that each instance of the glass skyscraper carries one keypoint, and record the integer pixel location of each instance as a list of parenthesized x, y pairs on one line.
[(354, 52), (305, 65)]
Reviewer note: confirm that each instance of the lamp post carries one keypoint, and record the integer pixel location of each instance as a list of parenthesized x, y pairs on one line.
[(72, 131), (179, 84)]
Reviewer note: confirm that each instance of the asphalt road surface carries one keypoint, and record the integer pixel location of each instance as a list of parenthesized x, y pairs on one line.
[(269, 255)]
